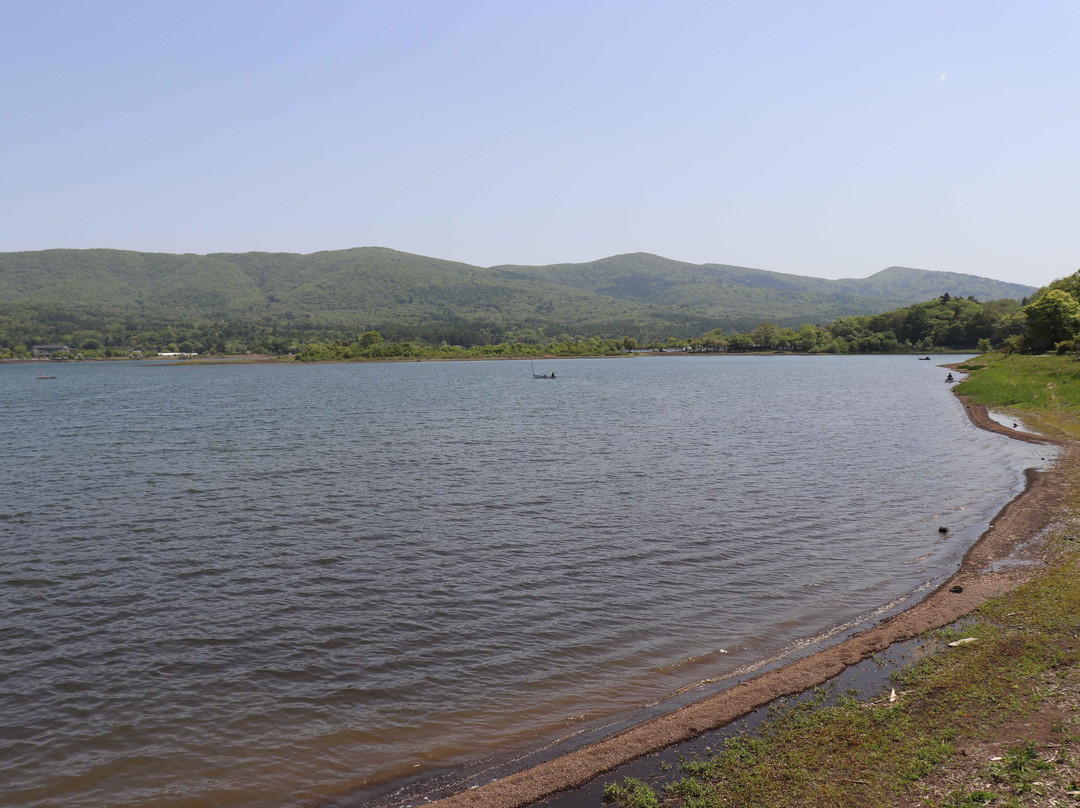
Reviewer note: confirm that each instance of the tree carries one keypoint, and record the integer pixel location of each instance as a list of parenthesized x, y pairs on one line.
[(1052, 317), (808, 338), (740, 342), (765, 335), (918, 323), (1070, 284), (369, 338), (712, 341), (847, 328)]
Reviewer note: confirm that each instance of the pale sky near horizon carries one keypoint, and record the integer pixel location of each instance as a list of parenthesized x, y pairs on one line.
[(830, 139)]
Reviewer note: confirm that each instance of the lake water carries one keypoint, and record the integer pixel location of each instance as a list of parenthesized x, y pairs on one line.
[(261, 585)]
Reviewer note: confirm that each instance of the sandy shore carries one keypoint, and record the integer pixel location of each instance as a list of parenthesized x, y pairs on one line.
[(979, 578)]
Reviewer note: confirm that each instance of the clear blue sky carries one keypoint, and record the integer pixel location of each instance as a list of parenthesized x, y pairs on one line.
[(829, 139)]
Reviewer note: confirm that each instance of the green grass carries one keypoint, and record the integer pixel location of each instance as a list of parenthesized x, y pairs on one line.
[(632, 793), (1047, 387)]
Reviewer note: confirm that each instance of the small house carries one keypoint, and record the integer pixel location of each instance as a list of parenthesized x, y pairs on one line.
[(45, 351)]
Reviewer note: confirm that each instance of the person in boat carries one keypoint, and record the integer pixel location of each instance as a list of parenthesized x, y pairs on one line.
[(949, 378), (553, 374)]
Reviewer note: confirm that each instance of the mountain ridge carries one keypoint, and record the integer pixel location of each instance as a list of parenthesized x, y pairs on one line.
[(640, 293)]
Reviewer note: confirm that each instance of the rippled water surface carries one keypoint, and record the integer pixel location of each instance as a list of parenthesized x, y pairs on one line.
[(255, 585)]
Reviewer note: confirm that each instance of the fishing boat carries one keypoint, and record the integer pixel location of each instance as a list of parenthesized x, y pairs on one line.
[(536, 375), (924, 358), (43, 376)]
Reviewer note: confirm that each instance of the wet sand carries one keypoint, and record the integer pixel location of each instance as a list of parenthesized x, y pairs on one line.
[(980, 577)]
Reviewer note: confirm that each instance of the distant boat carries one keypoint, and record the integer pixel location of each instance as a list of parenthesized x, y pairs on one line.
[(43, 376), (924, 358), (541, 375)]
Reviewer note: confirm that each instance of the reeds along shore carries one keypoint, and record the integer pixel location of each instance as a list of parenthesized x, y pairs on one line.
[(973, 584)]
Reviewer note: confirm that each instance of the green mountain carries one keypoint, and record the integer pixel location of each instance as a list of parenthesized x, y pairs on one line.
[(740, 297), (415, 296), (904, 282)]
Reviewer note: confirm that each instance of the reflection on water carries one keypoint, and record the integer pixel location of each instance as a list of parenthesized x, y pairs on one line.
[(252, 585), (1010, 421)]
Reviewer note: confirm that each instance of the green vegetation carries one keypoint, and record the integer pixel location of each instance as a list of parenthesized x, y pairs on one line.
[(379, 349), (632, 793), (111, 333), (114, 302), (739, 297), (339, 294), (1050, 320), (1047, 387), (945, 322), (993, 722)]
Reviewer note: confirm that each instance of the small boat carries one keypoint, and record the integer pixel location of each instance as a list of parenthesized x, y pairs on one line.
[(924, 358), (43, 376), (540, 375)]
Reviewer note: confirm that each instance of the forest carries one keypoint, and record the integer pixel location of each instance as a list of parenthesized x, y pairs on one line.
[(1048, 320), (103, 303), (944, 323)]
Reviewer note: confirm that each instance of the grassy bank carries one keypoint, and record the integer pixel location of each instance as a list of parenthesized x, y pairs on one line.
[(1041, 389), (994, 721)]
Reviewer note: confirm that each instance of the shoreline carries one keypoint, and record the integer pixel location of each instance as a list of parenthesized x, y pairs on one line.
[(290, 359), (1010, 533)]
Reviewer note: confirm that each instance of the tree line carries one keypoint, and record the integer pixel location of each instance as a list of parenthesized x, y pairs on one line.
[(1050, 319), (943, 323), (96, 334)]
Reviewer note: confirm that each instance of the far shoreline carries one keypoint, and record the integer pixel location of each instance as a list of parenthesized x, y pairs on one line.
[(264, 359), (291, 360), (1016, 524)]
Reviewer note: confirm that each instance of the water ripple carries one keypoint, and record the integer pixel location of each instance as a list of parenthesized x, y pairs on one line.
[(249, 586)]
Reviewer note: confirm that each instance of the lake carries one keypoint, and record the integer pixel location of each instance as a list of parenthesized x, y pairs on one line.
[(257, 585)]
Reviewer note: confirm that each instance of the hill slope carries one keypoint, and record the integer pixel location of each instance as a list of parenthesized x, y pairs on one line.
[(926, 284), (372, 287), (740, 297)]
